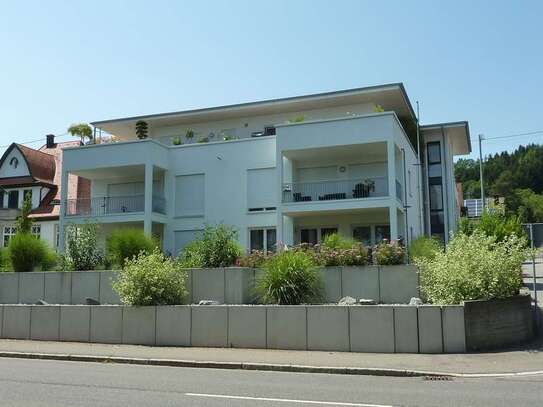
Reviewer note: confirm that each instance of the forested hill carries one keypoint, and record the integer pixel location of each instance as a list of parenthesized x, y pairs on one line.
[(517, 176)]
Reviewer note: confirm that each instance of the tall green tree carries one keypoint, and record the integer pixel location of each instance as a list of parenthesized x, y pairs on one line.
[(23, 223)]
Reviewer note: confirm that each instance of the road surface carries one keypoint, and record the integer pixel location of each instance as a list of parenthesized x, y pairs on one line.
[(32, 383)]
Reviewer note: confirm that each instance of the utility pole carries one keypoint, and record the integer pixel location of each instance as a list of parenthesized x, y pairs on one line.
[(481, 138)]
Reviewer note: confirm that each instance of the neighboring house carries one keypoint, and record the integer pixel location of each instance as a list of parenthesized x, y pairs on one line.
[(25, 171), (292, 170)]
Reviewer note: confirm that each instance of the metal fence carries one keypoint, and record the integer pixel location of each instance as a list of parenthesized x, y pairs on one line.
[(534, 232), (109, 205)]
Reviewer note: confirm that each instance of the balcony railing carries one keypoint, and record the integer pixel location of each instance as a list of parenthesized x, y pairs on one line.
[(335, 190), (111, 205)]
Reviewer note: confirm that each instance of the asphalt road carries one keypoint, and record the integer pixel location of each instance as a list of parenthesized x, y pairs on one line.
[(31, 383)]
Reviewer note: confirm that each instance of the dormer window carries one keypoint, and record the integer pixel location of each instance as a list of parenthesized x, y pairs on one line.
[(14, 162)]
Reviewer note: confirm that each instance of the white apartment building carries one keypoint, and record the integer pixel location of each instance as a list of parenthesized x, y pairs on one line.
[(286, 170)]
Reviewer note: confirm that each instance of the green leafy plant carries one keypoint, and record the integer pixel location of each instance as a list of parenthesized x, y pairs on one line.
[(388, 253), (26, 252), (336, 241), (297, 119), (82, 252), (218, 247), (81, 130), (142, 129), (151, 279), (425, 247), (255, 259), (23, 223), (378, 109), (203, 139), (176, 141), (51, 261), (189, 134), (291, 278), (228, 138), (474, 267), (126, 243), (337, 250)]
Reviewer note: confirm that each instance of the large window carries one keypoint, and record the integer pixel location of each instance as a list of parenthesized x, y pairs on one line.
[(189, 195), (435, 184), (261, 189), (382, 232), (263, 239), (13, 199), (362, 234), (309, 236)]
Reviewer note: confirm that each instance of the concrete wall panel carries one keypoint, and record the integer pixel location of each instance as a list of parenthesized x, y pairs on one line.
[(208, 284), (106, 324), (328, 328), (75, 323), (430, 332), (44, 322), (85, 284), (237, 285), (454, 334), (247, 326), (331, 277), (16, 323), (361, 282), (209, 326), (107, 294), (31, 287), (372, 329), (58, 287), (406, 335), (286, 327), (139, 325), (9, 288), (398, 284), (173, 325)]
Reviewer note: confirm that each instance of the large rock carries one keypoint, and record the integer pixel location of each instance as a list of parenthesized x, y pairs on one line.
[(347, 301)]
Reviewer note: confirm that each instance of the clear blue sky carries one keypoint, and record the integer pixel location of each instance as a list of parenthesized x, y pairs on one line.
[(480, 61)]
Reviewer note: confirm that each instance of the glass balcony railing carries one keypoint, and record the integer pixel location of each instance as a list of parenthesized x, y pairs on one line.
[(335, 190), (112, 205)]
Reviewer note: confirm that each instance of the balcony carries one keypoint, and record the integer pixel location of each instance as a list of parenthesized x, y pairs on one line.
[(112, 205), (335, 190)]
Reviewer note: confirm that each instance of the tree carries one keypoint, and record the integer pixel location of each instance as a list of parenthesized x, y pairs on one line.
[(82, 252), (23, 223), (141, 129), (81, 130)]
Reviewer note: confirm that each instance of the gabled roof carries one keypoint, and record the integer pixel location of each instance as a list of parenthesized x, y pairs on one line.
[(40, 165)]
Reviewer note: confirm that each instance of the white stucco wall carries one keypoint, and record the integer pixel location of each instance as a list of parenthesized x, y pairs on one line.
[(8, 170)]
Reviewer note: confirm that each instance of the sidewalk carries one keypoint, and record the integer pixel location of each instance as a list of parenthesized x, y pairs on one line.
[(519, 360)]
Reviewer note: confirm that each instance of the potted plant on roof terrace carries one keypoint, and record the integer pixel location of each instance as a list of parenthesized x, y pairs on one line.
[(142, 129)]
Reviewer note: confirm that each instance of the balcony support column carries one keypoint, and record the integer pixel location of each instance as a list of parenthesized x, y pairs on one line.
[(393, 219), (63, 208), (391, 168), (148, 207)]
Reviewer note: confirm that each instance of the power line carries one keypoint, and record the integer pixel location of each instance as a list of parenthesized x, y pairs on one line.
[(35, 141), (515, 135)]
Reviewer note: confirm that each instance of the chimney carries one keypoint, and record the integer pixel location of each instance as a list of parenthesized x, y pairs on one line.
[(50, 141)]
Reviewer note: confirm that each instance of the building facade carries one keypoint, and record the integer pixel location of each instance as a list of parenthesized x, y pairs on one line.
[(27, 172), (280, 171)]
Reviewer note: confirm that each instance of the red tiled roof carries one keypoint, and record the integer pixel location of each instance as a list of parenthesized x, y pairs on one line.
[(40, 164)]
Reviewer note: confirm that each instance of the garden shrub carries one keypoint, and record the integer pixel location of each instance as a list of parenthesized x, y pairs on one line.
[(50, 261), (124, 244), (426, 247), (493, 224), (151, 279), (474, 267), (255, 259), (336, 241), (388, 253), (82, 252), (290, 278), (218, 247), (26, 252)]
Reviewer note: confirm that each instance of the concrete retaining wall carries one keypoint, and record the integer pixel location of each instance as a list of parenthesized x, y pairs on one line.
[(498, 323), (385, 284), (380, 328)]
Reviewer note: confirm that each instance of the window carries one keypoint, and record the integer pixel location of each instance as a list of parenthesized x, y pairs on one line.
[(435, 181), (189, 195), (382, 232), (327, 232), (36, 230), (13, 199), (362, 234), (269, 130), (9, 232), (308, 236), (263, 240), (2, 199), (261, 189)]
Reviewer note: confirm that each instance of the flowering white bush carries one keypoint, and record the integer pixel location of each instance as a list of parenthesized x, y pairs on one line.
[(474, 267)]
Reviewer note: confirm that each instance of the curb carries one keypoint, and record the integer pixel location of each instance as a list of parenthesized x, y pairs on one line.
[(270, 367)]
